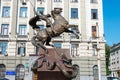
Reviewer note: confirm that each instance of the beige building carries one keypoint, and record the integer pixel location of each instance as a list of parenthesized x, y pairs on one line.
[(115, 60), (15, 33)]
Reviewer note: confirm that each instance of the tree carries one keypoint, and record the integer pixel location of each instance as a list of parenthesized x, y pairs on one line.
[(107, 53)]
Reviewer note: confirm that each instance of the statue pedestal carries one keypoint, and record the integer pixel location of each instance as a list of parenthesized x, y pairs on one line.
[(43, 73)]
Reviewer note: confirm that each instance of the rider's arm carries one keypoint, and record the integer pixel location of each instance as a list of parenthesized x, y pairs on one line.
[(46, 18)]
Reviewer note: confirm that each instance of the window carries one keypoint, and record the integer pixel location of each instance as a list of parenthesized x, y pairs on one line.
[(23, 12), (2, 70), (22, 30), (40, 10), (74, 13), (6, 12), (27, 66), (93, 1), (94, 13), (41, 0), (3, 47), (74, 0), (20, 72), (95, 72), (57, 45), (94, 49), (21, 48), (4, 29), (41, 26), (75, 30), (57, 0), (74, 50), (94, 32)]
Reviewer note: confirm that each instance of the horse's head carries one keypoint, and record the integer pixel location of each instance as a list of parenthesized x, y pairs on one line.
[(56, 12)]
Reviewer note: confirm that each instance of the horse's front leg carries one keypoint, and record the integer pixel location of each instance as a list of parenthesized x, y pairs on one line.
[(69, 31), (41, 44), (38, 43)]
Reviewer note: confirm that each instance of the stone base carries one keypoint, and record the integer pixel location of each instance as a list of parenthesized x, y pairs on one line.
[(43, 73)]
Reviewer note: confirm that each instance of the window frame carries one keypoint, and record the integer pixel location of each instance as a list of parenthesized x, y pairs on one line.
[(94, 32), (23, 10), (74, 49), (94, 13), (6, 13), (57, 0), (74, 13), (21, 48), (94, 46), (22, 30), (41, 27), (95, 72), (4, 29), (40, 10), (2, 71), (3, 47), (75, 30), (58, 45), (20, 72), (75, 1)]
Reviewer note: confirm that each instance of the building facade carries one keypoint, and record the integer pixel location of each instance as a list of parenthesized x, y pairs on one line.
[(15, 34), (114, 60)]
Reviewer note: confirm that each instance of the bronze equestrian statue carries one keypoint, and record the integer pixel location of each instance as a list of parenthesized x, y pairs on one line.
[(44, 36), (59, 26)]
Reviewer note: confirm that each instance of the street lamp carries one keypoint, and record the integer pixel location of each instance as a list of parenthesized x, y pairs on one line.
[(98, 53)]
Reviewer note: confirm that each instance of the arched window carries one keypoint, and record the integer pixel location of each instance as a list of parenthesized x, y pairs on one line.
[(95, 72), (2, 70), (20, 72)]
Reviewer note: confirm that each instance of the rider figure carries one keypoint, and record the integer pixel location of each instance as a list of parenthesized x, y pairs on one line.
[(34, 20)]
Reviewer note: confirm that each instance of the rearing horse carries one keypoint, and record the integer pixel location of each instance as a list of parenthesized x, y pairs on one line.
[(59, 26)]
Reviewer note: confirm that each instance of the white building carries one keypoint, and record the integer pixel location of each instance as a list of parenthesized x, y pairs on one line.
[(15, 35), (115, 60)]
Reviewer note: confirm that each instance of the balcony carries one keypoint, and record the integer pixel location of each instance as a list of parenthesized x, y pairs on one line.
[(4, 37), (59, 38), (22, 37)]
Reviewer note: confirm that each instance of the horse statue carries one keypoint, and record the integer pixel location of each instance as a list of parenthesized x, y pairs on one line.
[(43, 36), (54, 29)]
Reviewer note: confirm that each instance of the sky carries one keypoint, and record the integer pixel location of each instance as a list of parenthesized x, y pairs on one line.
[(111, 15)]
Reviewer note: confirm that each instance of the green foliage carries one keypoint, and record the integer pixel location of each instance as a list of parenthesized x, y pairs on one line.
[(107, 53)]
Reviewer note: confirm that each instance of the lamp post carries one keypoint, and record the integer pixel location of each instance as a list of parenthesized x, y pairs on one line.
[(98, 53)]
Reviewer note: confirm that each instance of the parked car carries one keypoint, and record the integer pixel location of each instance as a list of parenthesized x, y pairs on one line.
[(4, 79), (113, 78)]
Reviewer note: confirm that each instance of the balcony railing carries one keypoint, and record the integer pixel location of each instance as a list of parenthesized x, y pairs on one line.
[(21, 36), (4, 36)]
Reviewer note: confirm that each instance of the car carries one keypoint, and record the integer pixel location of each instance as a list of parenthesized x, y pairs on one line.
[(113, 78), (4, 79)]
